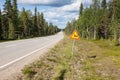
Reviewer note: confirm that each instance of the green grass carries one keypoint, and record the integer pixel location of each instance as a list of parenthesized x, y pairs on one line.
[(29, 72), (60, 64), (109, 47), (5, 40), (60, 72)]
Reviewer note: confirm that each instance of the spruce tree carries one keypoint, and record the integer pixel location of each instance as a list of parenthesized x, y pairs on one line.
[(39, 24), (81, 10), (6, 16), (15, 16), (9, 12), (42, 23), (11, 30), (104, 4), (0, 25), (24, 22), (35, 29)]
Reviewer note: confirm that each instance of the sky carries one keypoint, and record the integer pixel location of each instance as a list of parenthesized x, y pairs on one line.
[(59, 12)]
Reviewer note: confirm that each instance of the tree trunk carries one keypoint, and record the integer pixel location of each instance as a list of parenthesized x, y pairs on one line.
[(119, 40), (11, 30), (115, 35), (87, 33), (105, 35), (95, 33), (82, 34)]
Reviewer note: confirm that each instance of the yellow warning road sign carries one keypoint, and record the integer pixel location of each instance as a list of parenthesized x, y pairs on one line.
[(75, 35)]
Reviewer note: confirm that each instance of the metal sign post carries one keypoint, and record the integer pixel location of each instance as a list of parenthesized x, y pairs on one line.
[(74, 36), (73, 47)]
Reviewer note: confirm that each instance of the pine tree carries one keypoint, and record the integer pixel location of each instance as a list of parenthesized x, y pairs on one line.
[(15, 16), (45, 28), (0, 25), (29, 23), (39, 24), (24, 22), (7, 6), (11, 30), (81, 10), (5, 22), (42, 23), (35, 29), (9, 12), (104, 4)]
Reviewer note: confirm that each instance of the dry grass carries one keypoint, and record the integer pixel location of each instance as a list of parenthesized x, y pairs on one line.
[(92, 60)]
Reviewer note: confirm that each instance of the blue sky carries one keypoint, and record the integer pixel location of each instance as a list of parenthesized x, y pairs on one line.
[(59, 12)]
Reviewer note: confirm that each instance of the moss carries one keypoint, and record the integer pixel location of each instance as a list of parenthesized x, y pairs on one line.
[(29, 73), (60, 72)]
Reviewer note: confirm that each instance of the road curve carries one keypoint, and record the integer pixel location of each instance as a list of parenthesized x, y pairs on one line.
[(14, 55)]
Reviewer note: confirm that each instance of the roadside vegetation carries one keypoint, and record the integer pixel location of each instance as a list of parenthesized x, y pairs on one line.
[(92, 60), (100, 20), (19, 24), (96, 56)]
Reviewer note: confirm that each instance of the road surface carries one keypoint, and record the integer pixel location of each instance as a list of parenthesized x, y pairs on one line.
[(14, 55)]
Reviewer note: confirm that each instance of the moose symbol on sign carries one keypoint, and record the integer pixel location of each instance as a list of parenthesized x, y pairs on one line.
[(75, 35)]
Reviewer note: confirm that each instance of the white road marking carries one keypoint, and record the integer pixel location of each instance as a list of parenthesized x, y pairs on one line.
[(1, 67)]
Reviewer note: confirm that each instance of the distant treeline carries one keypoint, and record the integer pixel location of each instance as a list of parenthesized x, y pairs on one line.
[(100, 20), (15, 24)]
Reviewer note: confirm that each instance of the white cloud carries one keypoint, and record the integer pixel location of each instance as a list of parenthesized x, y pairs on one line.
[(61, 15), (56, 3), (36, 1), (72, 7), (58, 15)]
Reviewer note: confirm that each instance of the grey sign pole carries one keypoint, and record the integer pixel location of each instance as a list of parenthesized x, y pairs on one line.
[(73, 47)]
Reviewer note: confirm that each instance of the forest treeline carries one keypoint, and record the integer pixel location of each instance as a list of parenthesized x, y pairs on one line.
[(100, 20), (15, 24)]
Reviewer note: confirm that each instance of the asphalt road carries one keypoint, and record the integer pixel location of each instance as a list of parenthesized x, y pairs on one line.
[(13, 54)]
